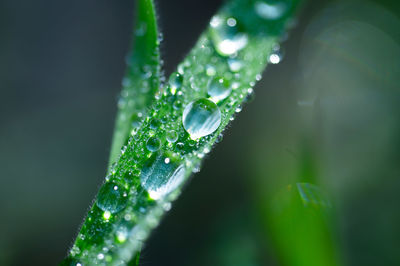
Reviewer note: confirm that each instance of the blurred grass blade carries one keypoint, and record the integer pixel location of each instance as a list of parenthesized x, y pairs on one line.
[(142, 77), (186, 119)]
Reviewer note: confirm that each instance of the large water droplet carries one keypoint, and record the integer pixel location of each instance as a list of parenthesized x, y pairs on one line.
[(201, 118), (161, 175), (227, 35), (218, 89), (270, 9), (112, 197)]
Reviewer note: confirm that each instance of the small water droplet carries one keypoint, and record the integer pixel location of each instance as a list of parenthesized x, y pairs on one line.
[(218, 89), (210, 70), (177, 105), (121, 234), (154, 124), (201, 118), (238, 109), (160, 38), (172, 136), (227, 36), (180, 145), (167, 206), (250, 95), (136, 120), (235, 64), (175, 82), (160, 178), (112, 197), (153, 144), (270, 9), (276, 56)]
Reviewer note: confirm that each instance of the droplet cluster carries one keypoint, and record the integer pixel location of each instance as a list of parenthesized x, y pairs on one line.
[(168, 141)]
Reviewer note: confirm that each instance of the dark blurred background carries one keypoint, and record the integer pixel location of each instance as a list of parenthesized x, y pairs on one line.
[(333, 104)]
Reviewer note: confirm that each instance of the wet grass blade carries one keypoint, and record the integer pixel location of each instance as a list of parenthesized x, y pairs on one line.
[(142, 78), (186, 119)]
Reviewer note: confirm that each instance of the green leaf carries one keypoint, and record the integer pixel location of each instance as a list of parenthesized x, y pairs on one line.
[(186, 119), (142, 78)]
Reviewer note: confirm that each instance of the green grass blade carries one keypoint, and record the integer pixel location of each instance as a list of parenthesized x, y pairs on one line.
[(223, 67), (142, 78)]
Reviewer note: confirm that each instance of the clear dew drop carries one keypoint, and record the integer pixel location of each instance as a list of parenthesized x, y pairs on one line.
[(121, 234), (274, 58), (160, 176), (136, 120), (112, 198), (175, 82), (201, 118), (270, 9), (235, 65), (226, 35), (238, 109), (210, 70), (172, 136), (218, 89), (153, 144), (276, 55)]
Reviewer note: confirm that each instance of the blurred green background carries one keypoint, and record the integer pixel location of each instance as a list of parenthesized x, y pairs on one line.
[(308, 173)]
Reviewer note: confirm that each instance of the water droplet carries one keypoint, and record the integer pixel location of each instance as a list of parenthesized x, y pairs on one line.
[(270, 9), (154, 124), (136, 120), (234, 64), (218, 89), (210, 70), (153, 144), (112, 197), (238, 109), (219, 138), (177, 105), (250, 95), (311, 195), (167, 206), (121, 234), (201, 118), (160, 178), (160, 38), (175, 82), (172, 136), (276, 56), (180, 145), (226, 35)]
